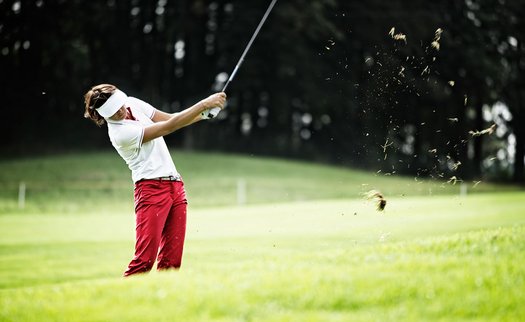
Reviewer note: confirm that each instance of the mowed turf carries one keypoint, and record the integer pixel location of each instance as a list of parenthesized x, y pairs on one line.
[(426, 258), (303, 256), (99, 182)]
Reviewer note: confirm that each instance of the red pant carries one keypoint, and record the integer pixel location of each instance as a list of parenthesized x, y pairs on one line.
[(160, 208)]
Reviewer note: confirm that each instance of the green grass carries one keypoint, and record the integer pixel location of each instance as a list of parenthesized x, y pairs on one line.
[(70, 183), (326, 256)]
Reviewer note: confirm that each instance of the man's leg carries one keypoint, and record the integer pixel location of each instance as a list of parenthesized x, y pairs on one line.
[(153, 204), (173, 235)]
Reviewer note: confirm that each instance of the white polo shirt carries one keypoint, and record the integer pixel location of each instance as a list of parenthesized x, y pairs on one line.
[(145, 160)]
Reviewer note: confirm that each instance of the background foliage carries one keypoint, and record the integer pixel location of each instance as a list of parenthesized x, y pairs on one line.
[(324, 81)]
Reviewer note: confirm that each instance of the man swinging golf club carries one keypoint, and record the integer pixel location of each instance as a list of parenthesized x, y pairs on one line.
[(136, 131)]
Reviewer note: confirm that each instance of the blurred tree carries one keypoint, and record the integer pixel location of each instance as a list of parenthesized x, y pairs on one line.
[(509, 32), (276, 94), (485, 54), (325, 80)]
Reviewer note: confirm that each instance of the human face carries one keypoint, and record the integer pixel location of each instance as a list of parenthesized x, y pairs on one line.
[(120, 114)]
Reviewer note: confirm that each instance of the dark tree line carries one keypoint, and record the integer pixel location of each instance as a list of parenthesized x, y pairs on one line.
[(393, 86)]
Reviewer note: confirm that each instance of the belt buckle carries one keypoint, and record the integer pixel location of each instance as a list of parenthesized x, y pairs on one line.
[(171, 178)]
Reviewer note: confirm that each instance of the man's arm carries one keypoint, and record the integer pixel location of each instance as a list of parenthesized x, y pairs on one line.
[(160, 116), (166, 123)]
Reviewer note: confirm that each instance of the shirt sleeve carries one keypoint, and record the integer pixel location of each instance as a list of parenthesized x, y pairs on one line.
[(144, 107), (130, 136)]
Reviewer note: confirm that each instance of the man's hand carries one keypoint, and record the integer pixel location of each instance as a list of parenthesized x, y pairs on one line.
[(214, 100), (168, 123)]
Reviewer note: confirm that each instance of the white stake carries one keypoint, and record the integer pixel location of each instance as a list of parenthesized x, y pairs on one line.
[(463, 190), (21, 195), (241, 191)]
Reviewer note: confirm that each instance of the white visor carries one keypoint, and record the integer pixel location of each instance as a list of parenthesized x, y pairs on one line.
[(113, 104)]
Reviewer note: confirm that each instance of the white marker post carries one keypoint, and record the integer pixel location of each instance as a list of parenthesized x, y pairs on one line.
[(241, 192), (22, 195), (463, 190)]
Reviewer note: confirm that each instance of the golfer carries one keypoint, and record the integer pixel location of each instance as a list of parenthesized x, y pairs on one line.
[(136, 130)]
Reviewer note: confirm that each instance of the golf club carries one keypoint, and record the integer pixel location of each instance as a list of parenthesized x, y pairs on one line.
[(211, 113)]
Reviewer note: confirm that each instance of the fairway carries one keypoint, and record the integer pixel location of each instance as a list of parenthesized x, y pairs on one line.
[(442, 258), (262, 161), (303, 246)]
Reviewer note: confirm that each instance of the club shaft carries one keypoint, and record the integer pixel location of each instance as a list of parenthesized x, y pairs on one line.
[(239, 63)]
